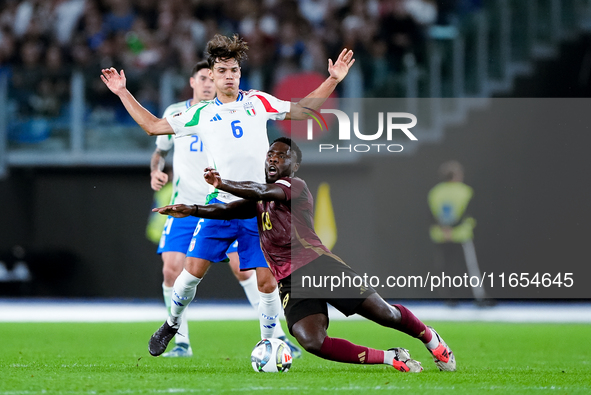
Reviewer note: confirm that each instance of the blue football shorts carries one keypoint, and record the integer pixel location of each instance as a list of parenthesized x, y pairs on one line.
[(177, 235), (212, 237)]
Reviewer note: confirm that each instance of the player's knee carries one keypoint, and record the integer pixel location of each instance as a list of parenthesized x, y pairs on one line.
[(243, 276), (169, 274), (266, 286), (311, 342), (265, 280)]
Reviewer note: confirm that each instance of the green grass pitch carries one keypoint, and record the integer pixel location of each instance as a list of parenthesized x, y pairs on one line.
[(112, 358)]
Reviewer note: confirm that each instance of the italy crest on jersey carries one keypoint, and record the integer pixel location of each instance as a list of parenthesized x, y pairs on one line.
[(249, 108)]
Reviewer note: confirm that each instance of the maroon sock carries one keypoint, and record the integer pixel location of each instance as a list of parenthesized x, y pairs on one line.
[(412, 326), (341, 350)]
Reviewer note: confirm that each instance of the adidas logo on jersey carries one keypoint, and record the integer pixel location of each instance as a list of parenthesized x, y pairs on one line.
[(216, 118)]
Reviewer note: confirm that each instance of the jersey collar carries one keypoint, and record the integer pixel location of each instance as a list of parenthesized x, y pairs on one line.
[(239, 98)]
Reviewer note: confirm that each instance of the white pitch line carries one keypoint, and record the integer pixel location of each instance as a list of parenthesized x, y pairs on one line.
[(85, 311)]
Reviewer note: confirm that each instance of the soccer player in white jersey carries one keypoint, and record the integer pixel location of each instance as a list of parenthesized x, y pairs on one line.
[(189, 160), (233, 130)]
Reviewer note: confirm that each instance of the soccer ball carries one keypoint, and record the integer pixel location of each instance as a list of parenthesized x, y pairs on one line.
[(271, 356)]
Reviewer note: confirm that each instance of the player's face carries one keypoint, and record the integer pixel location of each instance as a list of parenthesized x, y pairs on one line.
[(226, 76), (202, 84), (279, 162)]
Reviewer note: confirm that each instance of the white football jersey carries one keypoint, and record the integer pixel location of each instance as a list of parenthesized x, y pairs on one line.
[(234, 134), (188, 163)]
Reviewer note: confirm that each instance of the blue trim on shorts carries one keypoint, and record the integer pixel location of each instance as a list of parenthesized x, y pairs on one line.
[(233, 248)]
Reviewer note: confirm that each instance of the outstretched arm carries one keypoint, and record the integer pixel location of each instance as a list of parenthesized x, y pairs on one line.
[(245, 189), (314, 100), (151, 124), (240, 209)]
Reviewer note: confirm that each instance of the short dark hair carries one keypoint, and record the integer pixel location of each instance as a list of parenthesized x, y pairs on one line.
[(198, 66), (293, 146), (224, 48)]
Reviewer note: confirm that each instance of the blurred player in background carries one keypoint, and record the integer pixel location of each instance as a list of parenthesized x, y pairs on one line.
[(161, 196), (188, 187), (284, 209), (453, 233), (233, 128)]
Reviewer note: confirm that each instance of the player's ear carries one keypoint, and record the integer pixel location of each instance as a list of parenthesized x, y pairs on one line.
[(295, 168), (192, 82), (211, 74)]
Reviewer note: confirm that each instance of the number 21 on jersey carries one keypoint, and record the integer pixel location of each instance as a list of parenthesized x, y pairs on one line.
[(196, 145)]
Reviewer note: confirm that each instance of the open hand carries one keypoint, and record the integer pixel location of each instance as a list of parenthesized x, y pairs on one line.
[(114, 81), (341, 67), (176, 210)]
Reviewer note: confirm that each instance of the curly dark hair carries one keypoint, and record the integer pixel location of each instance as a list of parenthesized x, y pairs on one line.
[(224, 48), (293, 146)]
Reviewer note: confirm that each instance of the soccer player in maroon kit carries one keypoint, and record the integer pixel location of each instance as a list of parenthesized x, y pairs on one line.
[(284, 210)]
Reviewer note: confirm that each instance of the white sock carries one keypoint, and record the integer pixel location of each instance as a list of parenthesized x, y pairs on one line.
[(167, 295), (252, 294), (183, 293), (432, 345), (278, 333), (269, 309), (252, 291), (182, 335)]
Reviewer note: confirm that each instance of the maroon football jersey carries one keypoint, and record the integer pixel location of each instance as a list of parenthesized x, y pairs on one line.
[(286, 229)]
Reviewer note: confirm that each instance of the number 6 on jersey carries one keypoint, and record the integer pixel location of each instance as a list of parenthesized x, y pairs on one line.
[(236, 129)]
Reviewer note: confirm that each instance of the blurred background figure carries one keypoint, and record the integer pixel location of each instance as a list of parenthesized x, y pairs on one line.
[(453, 232), (161, 197)]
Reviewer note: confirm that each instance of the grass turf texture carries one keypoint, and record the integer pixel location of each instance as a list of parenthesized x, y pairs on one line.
[(112, 358)]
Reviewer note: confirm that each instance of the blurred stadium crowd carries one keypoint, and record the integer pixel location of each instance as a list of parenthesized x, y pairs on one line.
[(43, 41)]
